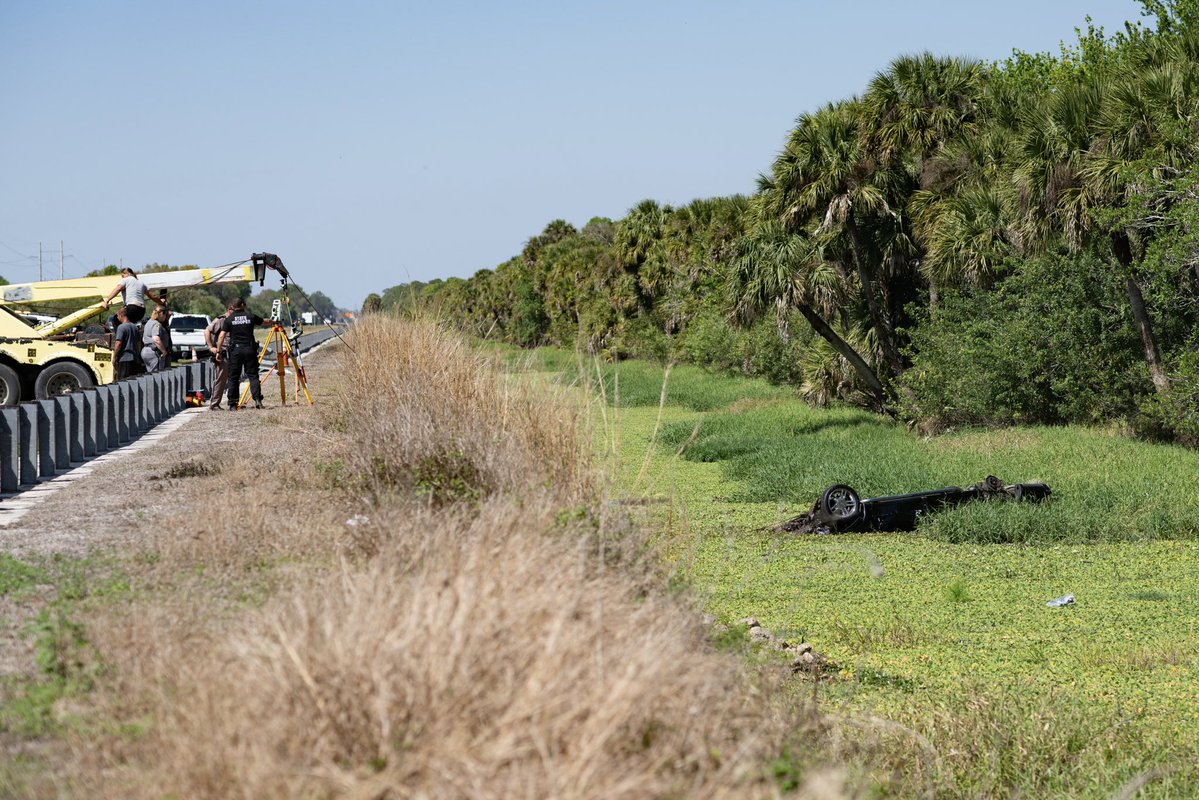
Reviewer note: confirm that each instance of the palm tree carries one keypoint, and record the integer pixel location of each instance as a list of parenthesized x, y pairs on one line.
[(967, 234), (777, 269), (918, 104), (1145, 135), (640, 249), (824, 176), (1054, 139), (928, 115)]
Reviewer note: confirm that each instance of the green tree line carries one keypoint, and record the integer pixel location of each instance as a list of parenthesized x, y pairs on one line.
[(962, 243)]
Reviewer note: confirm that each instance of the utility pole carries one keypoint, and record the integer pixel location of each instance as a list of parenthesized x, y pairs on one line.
[(39, 261), (62, 257)]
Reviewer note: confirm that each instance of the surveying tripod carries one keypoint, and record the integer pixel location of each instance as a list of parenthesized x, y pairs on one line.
[(284, 354)]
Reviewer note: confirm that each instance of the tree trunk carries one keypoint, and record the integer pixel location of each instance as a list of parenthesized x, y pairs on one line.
[(784, 328), (1140, 313), (825, 331), (878, 319)]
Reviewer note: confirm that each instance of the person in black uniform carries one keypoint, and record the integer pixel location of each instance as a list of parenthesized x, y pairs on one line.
[(237, 333)]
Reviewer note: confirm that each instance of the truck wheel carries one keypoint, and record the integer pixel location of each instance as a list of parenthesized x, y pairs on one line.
[(61, 378), (10, 386), (841, 502)]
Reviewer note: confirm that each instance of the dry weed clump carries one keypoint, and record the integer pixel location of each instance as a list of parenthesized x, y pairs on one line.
[(504, 661), (430, 414)]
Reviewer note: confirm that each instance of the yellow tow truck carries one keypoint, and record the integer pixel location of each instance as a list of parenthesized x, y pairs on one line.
[(42, 360)]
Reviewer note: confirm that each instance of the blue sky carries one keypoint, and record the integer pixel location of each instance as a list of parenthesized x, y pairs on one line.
[(372, 143)]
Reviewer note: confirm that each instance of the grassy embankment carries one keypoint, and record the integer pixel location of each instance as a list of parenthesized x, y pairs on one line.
[(423, 595), (944, 631)]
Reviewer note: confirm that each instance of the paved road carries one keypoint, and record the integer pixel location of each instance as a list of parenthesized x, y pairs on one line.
[(308, 340)]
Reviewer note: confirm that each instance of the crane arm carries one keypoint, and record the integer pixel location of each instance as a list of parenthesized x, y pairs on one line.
[(101, 286)]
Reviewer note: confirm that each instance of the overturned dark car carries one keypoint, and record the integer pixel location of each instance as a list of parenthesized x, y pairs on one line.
[(840, 509)]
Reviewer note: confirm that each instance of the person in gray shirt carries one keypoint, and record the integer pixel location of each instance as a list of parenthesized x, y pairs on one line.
[(154, 346), (133, 293), (125, 347)]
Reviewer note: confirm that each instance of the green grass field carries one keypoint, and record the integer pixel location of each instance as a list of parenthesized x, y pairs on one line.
[(945, 630)]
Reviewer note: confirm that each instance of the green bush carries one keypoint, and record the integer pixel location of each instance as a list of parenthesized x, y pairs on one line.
[(1052, 344), (1175, 414), (709, 341), (766, 354)]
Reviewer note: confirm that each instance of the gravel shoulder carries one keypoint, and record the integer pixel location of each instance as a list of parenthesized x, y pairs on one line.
[(192, 490), (125, 500)]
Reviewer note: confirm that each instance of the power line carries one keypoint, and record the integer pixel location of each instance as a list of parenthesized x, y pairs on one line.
[(15, 250)]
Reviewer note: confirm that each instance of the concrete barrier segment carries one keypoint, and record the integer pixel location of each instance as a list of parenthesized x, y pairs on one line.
[(10, 449), (46, 449), (79, 426), (87, 412), (62, 432), (27, 414), (124, 407)]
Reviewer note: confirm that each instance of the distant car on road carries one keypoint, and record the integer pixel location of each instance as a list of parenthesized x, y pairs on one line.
[(187, 335)]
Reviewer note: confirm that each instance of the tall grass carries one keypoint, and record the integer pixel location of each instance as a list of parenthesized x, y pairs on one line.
[(431, 414), (503, 661)]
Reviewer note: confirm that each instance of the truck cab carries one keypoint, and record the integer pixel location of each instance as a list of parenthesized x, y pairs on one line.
[(187, 335)]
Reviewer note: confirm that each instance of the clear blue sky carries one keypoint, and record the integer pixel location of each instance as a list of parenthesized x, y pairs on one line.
[(371, 143)]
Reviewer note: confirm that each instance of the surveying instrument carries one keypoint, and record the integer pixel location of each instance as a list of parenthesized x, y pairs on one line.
[(286, 354)]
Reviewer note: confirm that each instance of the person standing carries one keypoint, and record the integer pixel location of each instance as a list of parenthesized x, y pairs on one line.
[(125, 346), (220, 358), (238, 331), (133, 293), (154, 349), (168, 346)]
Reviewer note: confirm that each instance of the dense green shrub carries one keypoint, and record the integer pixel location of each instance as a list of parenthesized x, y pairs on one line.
[(1175, 414), (708, 340), (766, 353), (1051, 344)]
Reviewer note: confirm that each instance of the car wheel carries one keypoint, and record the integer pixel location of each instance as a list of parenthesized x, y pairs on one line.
[(10, 386), (61, 378), (841, 502)]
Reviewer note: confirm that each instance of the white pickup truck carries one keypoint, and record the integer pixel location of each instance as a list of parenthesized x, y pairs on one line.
[(187, 335)]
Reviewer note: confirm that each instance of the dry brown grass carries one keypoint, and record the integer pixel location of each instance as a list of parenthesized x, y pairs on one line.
[(486, 628), (434, 415), (503, 661)]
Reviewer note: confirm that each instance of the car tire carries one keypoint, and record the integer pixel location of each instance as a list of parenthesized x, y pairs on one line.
[(10, 386), (841, 502), (62, 378)]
